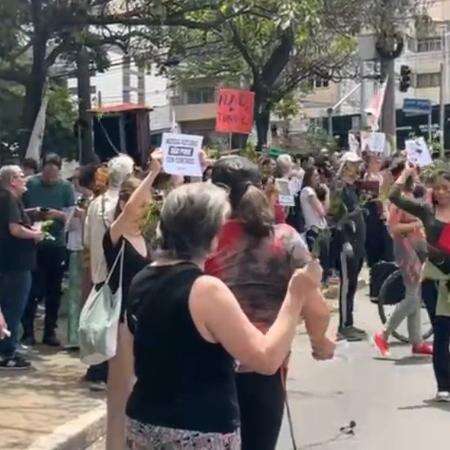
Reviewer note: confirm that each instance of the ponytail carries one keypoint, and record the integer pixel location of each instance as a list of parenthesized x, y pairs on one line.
[(253, 211)]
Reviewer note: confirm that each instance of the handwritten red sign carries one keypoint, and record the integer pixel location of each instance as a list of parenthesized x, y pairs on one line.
[(235, 111)]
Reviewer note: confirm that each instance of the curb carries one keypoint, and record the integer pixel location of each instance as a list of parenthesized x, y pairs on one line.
[(77, 434)]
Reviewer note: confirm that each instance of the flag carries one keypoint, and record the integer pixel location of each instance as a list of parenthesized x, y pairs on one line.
[(376, 107), (174, 128), (37, 135)]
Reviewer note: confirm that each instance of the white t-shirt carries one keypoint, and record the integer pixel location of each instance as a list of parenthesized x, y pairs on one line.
[(312, 218), (100, 216)]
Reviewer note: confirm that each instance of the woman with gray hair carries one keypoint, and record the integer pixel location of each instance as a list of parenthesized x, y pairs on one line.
[(190, 330)]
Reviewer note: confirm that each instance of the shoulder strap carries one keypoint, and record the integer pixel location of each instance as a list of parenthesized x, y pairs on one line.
[(119, 257)]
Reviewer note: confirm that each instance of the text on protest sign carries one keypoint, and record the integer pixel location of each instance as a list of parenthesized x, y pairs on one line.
[(235, 111), (181, 154), (417, 152)]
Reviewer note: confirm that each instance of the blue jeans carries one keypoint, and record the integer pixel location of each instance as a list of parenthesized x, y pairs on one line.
[(14, 291)]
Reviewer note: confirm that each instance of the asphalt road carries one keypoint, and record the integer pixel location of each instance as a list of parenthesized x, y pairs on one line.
[(388, 399)]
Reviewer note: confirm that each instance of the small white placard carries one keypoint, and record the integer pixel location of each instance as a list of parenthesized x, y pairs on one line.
[(374, 142), (417, 152), (181, 154), (285, 196), (353, 143)]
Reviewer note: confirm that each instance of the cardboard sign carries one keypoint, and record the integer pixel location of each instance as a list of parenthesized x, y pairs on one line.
[(285, 196), (181, 154), (353, 143), (374, 142), (235, 111), (417, 152)]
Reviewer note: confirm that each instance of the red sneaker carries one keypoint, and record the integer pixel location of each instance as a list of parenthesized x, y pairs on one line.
[(422, 349), (382, 344)]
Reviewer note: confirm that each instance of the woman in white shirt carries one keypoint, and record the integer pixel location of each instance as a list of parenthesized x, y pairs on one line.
[(315, 215)]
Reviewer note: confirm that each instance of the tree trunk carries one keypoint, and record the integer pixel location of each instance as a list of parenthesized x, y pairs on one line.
[(262, 121), (86, 150), (34, 91)]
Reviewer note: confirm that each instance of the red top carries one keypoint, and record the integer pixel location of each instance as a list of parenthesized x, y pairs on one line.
[(258, 271)]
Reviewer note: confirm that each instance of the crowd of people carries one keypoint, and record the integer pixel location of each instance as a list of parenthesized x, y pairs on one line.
[(215, 277)]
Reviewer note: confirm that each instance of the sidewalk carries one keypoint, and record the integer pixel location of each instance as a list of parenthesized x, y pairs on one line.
[(34, 403)]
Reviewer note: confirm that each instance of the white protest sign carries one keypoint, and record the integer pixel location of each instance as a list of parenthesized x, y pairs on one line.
[(353, 143), (417, 152), (181, 154), (285, 196), (374, 142)]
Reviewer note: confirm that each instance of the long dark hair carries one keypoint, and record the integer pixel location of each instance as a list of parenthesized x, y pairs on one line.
[(249, 204), (307, 178)]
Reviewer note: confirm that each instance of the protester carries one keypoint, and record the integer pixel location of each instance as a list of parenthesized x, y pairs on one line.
[(74, 228), (378, 241), (125, 234), (53, 198), (315, 214), (19, 239), (255, 259), (99, 217), (30, 167), (190, 330), (350, 239), (436, 222), (410, 254)]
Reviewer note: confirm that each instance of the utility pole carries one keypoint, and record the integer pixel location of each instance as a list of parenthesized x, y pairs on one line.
[(363, 94), (388, 116), (443, 92), (86, 151)]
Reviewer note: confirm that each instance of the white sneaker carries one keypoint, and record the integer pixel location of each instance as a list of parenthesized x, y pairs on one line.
[(442, 396)]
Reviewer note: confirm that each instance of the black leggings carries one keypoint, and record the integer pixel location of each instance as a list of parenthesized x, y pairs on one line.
[(261, 401), (441, 328)]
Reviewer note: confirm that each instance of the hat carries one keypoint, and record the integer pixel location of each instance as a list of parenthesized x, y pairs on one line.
[(350, 157)]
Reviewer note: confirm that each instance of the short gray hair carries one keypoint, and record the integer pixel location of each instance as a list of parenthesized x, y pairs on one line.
[(191, 217), (7, 173), (284, 162), (119, 168)]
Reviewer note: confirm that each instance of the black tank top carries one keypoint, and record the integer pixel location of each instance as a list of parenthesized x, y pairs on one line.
[(183, 381)]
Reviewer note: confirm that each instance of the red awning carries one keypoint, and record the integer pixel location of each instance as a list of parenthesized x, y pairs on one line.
[(120, 107)]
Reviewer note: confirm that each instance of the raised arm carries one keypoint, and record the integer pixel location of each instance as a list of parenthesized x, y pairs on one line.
[(219, 318), (134, 207), (414, 207)]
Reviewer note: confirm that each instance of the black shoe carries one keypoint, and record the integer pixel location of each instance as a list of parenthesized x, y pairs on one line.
[(28, 340), (350, 335), (51, 340), (15, 363), (357, 330)]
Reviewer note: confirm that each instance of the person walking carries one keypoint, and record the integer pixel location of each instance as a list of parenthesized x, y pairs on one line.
[(17, 238), (436, 222), (410, 254), (190, 330)]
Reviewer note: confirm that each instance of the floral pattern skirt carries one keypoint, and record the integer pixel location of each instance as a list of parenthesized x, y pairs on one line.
[(143, 436)]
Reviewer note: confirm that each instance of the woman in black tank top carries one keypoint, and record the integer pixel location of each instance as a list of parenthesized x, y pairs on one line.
[(189, 329), (125, 232)]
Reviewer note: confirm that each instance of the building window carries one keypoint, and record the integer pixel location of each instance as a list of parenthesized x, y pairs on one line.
[(429, 45), (74, 90), (318, 83), (196, 96), (428, 80)]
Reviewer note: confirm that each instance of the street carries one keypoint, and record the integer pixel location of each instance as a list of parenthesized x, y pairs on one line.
[(388, 399)]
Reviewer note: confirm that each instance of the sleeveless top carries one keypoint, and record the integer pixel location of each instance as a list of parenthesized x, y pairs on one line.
[(183, 381), (133, 262)]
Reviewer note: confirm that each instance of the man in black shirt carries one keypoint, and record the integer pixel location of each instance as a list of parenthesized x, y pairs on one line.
[(17, 260)]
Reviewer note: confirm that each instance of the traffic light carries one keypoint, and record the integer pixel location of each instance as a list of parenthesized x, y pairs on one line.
[(405, 78)]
